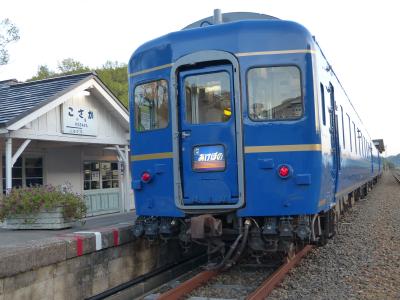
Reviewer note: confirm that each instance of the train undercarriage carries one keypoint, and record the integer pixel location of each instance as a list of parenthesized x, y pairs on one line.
[(230, 236)]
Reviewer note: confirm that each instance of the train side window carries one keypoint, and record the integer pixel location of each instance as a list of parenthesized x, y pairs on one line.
[(274, 93), (344, 137), (323, 103), (365, 147), (151, 105), (355, 137), (351, 142)]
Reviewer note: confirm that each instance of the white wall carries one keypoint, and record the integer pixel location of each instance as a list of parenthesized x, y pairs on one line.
[(64, 164)]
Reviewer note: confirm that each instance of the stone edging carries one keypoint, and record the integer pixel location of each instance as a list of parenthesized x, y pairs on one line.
[(40, 253)]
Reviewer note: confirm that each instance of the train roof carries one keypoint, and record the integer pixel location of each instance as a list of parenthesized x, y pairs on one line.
[(236, 37)]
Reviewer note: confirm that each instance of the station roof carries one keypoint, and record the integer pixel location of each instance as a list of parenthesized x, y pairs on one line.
[(18, 100)]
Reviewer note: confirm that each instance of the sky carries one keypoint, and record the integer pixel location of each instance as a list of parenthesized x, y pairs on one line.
[(361, 40)]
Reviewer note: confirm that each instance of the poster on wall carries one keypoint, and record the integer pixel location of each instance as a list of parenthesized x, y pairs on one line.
[(95, 176), (79, 120)]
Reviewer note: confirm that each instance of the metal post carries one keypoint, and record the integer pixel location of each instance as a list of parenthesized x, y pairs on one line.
[(127, 179), (8, 158)]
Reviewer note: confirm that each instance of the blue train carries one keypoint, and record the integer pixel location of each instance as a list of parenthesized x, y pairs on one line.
[(242, 135)]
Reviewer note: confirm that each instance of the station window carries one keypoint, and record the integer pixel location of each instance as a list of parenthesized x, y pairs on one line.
[(274, 93), (151, 105), (26, 172), (323, 103), (208, 98), (100, 175)]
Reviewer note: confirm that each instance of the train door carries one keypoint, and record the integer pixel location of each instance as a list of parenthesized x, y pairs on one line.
[(334, 130), (206, 120)]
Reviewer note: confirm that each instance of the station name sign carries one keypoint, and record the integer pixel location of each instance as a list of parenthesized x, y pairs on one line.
[(79, 120)]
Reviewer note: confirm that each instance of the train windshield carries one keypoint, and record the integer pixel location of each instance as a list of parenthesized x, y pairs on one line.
[(274, 93), (151, 105)]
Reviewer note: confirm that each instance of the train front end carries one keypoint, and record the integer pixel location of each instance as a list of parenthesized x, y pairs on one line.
[(225, 135)]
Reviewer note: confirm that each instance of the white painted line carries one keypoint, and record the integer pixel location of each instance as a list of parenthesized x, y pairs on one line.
[(98, 238)]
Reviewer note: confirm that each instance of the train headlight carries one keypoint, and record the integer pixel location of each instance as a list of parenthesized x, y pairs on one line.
[(146, 177)]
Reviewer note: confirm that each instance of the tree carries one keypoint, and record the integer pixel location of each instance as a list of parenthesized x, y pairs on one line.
[(115, 77), (43, 73), (113, 74), (70, 66), (8, 33)]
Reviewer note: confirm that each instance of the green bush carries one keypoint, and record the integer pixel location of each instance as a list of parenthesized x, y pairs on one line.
[(32, 200)]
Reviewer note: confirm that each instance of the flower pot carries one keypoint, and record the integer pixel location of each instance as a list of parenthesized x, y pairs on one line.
[(46, 219)]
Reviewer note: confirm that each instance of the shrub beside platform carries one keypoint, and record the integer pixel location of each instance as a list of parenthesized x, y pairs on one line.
[(41, 207), (50, 219)]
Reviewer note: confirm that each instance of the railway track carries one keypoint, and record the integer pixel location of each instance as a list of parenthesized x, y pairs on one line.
[(250, 282), (188, 278), (396, 175), (140, 286)]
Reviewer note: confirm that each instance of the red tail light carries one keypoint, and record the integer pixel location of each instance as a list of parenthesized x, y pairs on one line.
[(146, 177), (284, 171)]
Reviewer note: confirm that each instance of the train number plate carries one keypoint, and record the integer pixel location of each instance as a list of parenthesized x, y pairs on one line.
[(209, 158)]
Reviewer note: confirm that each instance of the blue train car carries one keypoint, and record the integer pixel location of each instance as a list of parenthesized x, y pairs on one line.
[(241, 131)]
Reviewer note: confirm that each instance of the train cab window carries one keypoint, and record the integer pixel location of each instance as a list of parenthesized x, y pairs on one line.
[(208, 98), (274, 93), (151, 105)]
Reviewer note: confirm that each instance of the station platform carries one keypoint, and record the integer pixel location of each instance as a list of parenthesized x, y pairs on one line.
[(79, 262), (12, 238)]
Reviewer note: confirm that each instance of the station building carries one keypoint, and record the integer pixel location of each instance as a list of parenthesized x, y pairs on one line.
[(68, 131)]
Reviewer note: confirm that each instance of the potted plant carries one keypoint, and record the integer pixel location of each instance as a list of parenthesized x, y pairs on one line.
[(41, 207)]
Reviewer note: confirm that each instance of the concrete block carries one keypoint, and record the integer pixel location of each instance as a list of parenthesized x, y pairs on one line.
[(60, 268), (100, 270), (77, 263), (43, 290), (125, 235), (127, 250), (100, 284), (48, 251), (19, 260), (65, 287), (19, 281), (1, 286), (100, 257), (88, 244), (107, 238), (116, 271), (20, 294), (45, 273)]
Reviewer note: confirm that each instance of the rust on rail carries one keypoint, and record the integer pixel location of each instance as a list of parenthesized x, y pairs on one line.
[(269, 284), (187, 286)]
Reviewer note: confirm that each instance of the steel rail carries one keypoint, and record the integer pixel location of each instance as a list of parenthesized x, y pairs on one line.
[(142, 278), (272, 281), (187, 286), (396, 176)]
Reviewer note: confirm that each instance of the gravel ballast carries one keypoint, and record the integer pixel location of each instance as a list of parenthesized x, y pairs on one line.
[(362, 261)]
